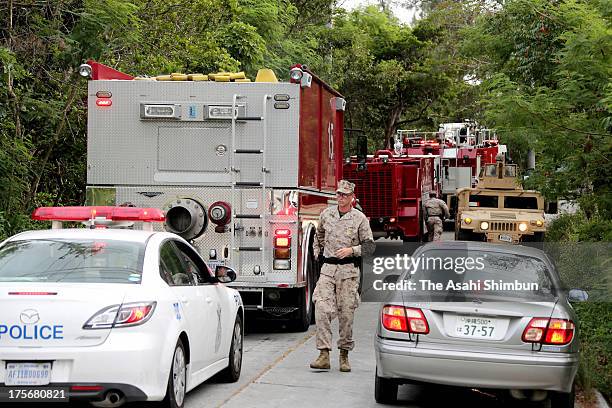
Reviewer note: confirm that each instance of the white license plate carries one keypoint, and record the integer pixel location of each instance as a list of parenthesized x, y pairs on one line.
[(475, 327), (27, 374), (505, 238)]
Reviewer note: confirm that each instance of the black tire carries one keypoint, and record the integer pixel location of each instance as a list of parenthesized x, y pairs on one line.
[(563, 399), (302, 323), (231, 373), (463, 235), (385, 390), (177, 381), (306, 310)]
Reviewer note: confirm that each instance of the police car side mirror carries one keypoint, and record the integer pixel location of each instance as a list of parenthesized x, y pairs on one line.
[(225, 274)]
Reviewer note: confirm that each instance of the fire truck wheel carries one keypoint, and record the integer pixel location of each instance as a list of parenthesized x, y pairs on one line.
[(306, 311)]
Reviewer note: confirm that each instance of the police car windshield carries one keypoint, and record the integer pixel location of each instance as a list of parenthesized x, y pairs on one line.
[(80, 261), (465, 276)]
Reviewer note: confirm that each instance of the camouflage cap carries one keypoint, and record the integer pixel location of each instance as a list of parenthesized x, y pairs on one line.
[(346, 187)]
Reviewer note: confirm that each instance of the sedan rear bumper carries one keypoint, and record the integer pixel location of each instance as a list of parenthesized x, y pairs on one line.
[(537, 371)]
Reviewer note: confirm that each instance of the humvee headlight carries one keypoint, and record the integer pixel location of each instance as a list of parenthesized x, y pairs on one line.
[(539, 223), (523, 226), (484, 225), (467, 220)]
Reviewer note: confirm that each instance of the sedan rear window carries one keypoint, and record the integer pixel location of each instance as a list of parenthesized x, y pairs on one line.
[(60, 260), (459, 275)]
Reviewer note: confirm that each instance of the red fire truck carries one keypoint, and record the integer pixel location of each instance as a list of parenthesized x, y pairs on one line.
[(242, 170), (391, 189)]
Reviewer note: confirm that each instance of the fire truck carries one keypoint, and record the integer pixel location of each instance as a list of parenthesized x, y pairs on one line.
[(241, 169), (391, 188), (465, 149)]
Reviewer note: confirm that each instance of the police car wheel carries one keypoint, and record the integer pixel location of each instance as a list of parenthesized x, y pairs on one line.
[(231, 373), (177, 381), (385, 390)]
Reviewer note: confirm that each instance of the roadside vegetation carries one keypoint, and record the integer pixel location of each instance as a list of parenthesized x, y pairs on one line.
[(538, 71)]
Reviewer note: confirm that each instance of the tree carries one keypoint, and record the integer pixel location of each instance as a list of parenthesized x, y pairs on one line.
[(548, 87), (383, 69)]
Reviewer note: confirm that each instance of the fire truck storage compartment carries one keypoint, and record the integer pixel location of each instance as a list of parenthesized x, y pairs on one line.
[(187, 147), (181, 149)]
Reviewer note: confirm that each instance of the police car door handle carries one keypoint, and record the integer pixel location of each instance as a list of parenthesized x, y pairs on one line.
[(184, 300), (209, 300)]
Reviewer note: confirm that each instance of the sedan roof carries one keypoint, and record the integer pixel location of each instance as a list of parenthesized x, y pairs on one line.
[(484, 246)]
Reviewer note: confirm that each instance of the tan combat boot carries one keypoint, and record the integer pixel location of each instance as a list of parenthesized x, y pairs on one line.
[(344, 362), (322, 362)]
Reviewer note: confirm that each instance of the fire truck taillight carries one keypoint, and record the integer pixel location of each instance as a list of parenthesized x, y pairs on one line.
[(282, 249), (103, 94), (282, 238), (104, 102)]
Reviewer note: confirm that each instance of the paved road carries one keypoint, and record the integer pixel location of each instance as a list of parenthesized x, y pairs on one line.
[(276, 374)]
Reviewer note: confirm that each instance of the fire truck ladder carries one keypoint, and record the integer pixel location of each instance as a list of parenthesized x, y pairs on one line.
[(249, 184)]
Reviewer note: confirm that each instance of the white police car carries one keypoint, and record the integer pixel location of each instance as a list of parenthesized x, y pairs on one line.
[(112, 315)]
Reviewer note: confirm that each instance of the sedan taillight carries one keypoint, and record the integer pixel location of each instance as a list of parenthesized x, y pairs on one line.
[(404, 319), (128, 314), (549, 331)]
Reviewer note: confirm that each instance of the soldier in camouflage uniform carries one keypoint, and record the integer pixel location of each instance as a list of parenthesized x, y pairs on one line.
[(435, 209), (343, 237)]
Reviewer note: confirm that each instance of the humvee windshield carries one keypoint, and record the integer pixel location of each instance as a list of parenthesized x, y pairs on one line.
[(483, 201), (521, 203)]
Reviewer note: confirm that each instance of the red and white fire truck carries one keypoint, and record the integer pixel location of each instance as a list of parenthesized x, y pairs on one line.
[(466, 147), (242, 170)]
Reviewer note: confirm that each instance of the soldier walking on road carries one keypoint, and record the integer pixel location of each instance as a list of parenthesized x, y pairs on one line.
[(343, 237), (436, 211)]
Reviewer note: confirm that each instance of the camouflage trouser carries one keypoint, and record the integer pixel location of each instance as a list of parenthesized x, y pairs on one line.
[(434, 228), (334, 296)]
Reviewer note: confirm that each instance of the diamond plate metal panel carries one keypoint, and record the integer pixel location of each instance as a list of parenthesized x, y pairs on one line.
[(123, 149), (193, 149), (248, 201)]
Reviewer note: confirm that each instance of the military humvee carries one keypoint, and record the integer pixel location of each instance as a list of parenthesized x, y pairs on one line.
[(498, 209)]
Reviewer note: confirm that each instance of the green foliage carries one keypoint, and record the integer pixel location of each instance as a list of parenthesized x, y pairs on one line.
[(596, 338), (547, 87), (383, 70)]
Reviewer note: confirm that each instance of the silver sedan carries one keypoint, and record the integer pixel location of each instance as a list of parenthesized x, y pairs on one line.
[(481, 316)]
